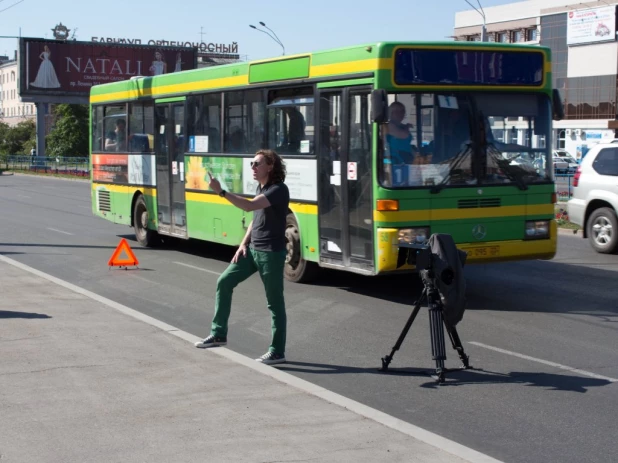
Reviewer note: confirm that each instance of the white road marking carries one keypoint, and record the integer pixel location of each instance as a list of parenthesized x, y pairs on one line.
[(59, 231), (198, 268), (545, 362), (404, 427), (23, 196)]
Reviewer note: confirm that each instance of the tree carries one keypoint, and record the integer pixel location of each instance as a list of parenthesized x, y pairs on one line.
[(18, 139), (69, 137), (4, 130)]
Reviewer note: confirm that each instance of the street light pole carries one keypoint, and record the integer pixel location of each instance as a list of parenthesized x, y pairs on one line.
[(278, 40), (482, 13), (274, 37)]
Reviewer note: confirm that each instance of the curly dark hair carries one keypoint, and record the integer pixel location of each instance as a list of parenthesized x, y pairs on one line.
[(273, 159)]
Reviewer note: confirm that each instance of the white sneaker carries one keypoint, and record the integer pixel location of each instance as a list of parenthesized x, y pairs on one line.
[(270, 358)]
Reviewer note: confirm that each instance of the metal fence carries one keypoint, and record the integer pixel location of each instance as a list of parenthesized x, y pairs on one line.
[(564, 186), (58, 165)]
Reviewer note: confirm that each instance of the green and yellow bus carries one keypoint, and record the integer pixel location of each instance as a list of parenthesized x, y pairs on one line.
[(384, 143)]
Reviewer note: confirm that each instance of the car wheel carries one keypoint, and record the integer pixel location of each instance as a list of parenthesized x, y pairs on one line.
[(602, 230)]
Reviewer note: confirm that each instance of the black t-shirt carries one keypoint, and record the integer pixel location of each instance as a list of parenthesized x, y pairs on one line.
[(268, 231)]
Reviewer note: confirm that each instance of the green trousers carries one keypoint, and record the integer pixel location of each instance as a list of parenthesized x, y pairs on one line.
[(270, 267)]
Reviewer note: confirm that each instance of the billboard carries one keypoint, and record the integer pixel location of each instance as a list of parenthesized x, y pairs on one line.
[(591, 25), (63, 68)]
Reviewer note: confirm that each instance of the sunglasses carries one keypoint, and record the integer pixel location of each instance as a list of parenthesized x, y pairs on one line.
[(255, 164)]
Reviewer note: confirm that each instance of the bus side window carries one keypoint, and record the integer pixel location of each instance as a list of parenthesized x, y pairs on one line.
[(291, 125)]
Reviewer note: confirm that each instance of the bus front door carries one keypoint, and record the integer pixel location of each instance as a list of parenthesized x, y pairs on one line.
[(170, 148), (345, 179)]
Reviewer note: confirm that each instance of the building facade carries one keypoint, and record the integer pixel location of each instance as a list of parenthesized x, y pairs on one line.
[(12, 109), (582, 38)]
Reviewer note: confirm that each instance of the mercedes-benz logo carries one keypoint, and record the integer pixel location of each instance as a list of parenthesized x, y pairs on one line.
[(479, 232)]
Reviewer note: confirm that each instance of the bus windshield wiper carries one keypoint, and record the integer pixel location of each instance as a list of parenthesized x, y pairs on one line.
[(512, 172), (459, 157)]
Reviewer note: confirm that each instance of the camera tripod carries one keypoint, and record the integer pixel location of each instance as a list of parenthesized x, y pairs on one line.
[(431, 295)]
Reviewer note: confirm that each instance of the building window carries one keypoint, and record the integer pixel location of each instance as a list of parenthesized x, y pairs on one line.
[(474, 38), (561, 140), (503, 37), (531, 35), (518, 36)]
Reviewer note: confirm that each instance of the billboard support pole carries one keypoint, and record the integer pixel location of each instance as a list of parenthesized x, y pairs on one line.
[(40, 128)]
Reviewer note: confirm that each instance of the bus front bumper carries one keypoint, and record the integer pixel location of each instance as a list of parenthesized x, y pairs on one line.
[(485, 252)]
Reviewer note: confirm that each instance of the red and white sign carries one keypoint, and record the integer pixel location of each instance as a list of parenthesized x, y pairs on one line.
[(352, 174), (591, 25)]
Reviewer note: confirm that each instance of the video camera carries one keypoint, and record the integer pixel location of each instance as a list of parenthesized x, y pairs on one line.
[(417, 254), (440, 265)]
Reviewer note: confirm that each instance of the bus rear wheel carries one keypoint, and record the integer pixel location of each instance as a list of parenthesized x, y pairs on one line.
[(144, 236), (296, 269)]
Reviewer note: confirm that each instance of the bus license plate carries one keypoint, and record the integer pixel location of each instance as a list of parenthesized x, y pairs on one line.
[(483, 251)]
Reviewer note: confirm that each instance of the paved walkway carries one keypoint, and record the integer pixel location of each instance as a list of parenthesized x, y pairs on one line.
[(84, 379)]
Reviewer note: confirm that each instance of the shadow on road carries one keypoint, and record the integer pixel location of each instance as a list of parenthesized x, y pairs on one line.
[(4, 314), (548, 381)]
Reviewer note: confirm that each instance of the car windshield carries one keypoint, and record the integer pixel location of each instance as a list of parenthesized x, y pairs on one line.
[(450, 139)]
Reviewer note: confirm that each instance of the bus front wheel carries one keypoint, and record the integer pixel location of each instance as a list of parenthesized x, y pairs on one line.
[(145, 236), (297, 269)]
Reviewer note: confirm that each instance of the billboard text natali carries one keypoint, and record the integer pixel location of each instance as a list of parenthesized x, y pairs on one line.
[(50, 67)]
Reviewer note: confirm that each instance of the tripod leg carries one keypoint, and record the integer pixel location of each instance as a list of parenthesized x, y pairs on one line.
[(456, 342), (387, 360), (438, 350)]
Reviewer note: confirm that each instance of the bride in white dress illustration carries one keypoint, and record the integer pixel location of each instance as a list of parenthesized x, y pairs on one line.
[(46, 77), (158, 65)]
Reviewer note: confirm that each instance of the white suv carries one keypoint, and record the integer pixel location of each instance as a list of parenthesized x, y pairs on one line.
[(595, 197)]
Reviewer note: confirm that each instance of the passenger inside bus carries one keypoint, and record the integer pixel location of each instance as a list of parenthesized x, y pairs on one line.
[(296, 128), (117, 140)]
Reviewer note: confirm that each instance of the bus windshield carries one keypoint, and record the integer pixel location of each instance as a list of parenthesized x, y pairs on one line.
[(450, 139)]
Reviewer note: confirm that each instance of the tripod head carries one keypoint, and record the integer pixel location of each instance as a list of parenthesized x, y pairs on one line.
[(440, 265)]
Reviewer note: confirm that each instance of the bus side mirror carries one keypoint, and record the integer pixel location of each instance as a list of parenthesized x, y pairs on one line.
[(558, 109), (379, 106)]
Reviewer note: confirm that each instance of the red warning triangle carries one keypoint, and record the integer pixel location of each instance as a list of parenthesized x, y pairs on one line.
[(116, 260)]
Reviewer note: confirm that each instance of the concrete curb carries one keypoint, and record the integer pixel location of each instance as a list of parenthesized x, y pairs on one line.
[(568, 231)]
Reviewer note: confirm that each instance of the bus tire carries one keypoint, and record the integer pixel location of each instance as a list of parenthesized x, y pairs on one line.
[(296, 268), (144, 236), (602, 230)]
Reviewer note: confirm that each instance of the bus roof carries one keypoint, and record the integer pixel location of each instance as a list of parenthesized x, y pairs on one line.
[(349, 62)]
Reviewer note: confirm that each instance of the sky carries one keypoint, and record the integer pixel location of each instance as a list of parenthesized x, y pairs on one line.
[(302, 26)]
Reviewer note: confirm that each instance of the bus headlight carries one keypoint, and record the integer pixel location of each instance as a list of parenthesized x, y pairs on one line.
[(413, 235), (537, 229)]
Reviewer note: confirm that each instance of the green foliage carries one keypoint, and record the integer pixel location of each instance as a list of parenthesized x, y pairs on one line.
[(19, 139), (69, 136)]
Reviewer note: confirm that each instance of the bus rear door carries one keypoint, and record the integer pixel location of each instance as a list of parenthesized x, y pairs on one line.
[(170, 148)]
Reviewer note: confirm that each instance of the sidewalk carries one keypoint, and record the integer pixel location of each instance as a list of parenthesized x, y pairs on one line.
[(81, 381)]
